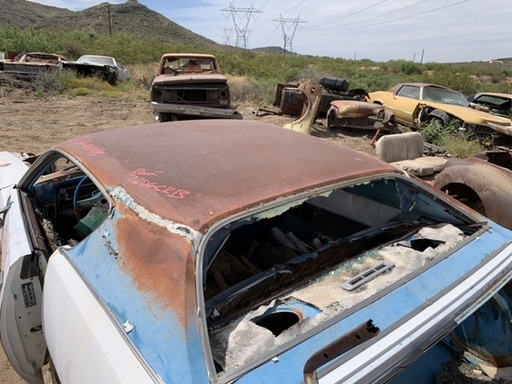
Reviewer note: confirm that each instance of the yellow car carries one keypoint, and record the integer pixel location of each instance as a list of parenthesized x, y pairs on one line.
[(415, 103)]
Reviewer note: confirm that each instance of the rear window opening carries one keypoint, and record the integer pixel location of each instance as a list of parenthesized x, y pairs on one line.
[(277, 274)]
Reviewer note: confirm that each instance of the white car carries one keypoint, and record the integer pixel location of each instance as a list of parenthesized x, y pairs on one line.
[(106, 67)]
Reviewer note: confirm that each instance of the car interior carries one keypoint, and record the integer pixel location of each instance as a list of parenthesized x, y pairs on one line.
[(67, 204), (260, 271)]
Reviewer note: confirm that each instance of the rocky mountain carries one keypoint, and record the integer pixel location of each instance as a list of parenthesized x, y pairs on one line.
[(129, 18)]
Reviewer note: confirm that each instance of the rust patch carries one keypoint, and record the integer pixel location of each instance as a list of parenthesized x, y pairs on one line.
[(188, 175), (161, 264)]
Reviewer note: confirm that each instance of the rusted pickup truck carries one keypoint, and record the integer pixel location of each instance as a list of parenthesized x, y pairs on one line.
[(190, 85)]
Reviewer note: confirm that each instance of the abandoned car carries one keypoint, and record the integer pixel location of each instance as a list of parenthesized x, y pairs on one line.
[(341, 106), (497, 103), (105, 67), (359, 114), (415, 103), (29, 64), (236, 251), (191, 85)]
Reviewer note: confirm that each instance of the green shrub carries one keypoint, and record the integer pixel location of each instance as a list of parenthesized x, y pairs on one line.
[(449, 138), (461, 147)]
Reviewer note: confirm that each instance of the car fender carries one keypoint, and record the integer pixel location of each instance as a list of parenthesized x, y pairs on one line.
[(100, 352), (492, 186), (437, 113)]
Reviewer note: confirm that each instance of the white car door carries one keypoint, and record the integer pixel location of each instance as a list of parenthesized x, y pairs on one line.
[(20, 287)]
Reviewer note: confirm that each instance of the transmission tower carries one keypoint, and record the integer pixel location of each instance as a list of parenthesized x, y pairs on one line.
[(289, 27), (227, 35), (241, 18)]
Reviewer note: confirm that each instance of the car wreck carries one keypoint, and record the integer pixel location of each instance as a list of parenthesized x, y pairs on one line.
[(190, 85), (104, 67), (483, 182), (496, 103), (30, 64), (341, 106), (149, 254), (414, 104), (360, 114)]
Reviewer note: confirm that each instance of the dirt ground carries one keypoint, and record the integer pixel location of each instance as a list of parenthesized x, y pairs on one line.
[(30, 124)]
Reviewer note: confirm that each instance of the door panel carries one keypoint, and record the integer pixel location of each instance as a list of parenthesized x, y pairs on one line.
[(20, 298)]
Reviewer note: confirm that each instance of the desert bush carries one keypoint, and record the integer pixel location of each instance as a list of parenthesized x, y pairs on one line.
[(448, 137), (461, 147), (26, 40), (434, 133), (143, 74), (245, 89)]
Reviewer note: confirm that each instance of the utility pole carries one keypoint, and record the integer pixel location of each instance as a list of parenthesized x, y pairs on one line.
[(422, 53), (241, 18), (289, 27), (109, 20), (414, 57)]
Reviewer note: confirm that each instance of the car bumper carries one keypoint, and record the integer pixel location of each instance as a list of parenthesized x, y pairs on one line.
[(194, 110)]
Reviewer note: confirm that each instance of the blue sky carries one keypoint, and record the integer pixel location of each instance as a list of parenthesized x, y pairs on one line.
[(380, 30)]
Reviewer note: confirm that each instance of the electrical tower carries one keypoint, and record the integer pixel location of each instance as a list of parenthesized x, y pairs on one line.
[(289, 27), (241, 18), (227, 35)]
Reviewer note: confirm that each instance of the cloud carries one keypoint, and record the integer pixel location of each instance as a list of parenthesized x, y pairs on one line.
[(381, 30)]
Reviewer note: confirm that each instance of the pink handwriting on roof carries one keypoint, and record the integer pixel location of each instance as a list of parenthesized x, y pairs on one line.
[(88, 145), (140, 177)]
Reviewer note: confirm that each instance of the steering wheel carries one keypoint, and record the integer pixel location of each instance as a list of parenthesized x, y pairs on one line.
[(96, 197)]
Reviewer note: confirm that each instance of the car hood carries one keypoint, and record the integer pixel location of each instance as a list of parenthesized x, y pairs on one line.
[(191, 78), (470, 115), (84, 63)]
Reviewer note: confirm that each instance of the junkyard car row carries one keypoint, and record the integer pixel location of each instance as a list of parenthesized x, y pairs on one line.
[(34, 64)]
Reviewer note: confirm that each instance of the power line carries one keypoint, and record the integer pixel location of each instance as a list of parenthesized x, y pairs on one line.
[(344, 17), (387, 13), (413, 15), (295, 6)]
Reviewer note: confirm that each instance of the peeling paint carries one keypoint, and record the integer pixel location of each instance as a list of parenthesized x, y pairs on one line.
[(121, 195)]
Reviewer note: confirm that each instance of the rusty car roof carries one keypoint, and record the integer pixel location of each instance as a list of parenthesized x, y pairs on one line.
[(198, 172), (188, 54)]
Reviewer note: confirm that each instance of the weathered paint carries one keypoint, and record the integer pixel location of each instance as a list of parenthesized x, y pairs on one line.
[(96, 349), (311, 96), (154, 164), (353, 109), (359, 114), (150, 284), (491, 183)]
